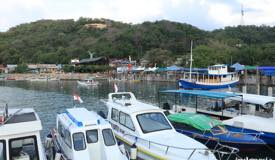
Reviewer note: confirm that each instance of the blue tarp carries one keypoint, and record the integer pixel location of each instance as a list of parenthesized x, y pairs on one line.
[(202, 93), (237, 67), (267, 70)]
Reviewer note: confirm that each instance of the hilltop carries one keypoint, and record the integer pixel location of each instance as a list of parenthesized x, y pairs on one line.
[(162, 42)]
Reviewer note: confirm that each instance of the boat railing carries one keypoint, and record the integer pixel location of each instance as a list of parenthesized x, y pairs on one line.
[(256, 135), (217, 150), (220, 150)]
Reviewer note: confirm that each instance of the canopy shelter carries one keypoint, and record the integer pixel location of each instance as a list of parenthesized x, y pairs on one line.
[(161, 69), (267, 70), (237, 67), (173, 68), (198, 121), (216, 110), (203, 93), (256, 99)]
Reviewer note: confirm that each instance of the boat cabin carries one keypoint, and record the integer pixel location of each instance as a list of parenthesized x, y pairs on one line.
[(20, 135), (84, 135), (218, 69), (145, 126)]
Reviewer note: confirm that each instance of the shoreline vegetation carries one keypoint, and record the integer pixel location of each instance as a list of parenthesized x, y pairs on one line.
[(162, 42)]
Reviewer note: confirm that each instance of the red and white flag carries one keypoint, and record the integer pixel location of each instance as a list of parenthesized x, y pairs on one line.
[(77, 98)]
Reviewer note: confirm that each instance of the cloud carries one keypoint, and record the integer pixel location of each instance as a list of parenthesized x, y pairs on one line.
[(128, 11), (13, 12), (256, 12), (259, 12), (206, 14), (223, 14)]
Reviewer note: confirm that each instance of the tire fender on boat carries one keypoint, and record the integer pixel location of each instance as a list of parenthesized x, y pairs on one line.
[(133, 152)]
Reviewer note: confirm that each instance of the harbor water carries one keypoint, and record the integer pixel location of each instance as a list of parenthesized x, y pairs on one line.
[(52, 97)]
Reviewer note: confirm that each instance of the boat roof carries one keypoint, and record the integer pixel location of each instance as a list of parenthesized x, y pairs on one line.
[(257, 99), (26, 119), (81, 117), (198, 121), (218, 65), (203, 93), (131, 105)]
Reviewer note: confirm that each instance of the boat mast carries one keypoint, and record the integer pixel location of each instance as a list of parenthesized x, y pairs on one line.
[(191, 60)]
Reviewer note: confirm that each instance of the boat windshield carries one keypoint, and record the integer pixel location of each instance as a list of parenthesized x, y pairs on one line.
[(218, 130), (151, 122)]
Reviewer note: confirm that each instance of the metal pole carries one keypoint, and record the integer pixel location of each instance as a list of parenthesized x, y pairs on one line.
[(191, 60), (196, 103)]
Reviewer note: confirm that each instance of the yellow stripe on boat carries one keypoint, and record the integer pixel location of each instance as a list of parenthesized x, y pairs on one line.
[(142, 150)]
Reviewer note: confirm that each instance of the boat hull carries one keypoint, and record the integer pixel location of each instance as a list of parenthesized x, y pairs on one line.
[(268, 137), (211, 141), (207, 86), (80, 83)]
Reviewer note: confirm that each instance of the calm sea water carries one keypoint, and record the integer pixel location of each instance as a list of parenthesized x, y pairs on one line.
[(50, 98)]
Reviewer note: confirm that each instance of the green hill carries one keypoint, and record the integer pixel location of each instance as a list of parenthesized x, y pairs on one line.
[(161, 42)]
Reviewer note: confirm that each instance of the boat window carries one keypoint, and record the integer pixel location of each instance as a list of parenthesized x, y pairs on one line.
[(61, 129), (126, 120), (2, 150), (24, 148), (67, 138), (151, 122), (125, 96), (108, 137), (92, 136), (114, 115), (79, 141)]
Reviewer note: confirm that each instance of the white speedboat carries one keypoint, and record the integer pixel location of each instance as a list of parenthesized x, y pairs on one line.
[(20, 135), (145, 127), (87, 82), (82, 135)]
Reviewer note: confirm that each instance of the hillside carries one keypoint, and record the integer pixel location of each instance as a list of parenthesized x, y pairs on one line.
[(161, 42)]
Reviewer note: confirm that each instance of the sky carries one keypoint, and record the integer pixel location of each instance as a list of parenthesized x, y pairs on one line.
[(204, 14)]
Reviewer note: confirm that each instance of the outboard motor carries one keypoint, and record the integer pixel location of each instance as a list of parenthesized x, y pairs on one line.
[(166, 106), (122, 148)]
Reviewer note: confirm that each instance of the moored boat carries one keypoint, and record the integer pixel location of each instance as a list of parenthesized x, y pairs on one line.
[(87, 82), (212, 132), (20, 135), (254, 124), (82, 135), (240, 112), (217, 77), (145, 127)]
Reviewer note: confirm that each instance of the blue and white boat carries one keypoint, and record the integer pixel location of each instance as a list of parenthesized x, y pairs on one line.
[(217, 77), (82, 135), (241, 112), (258, 117), (212, 132)]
